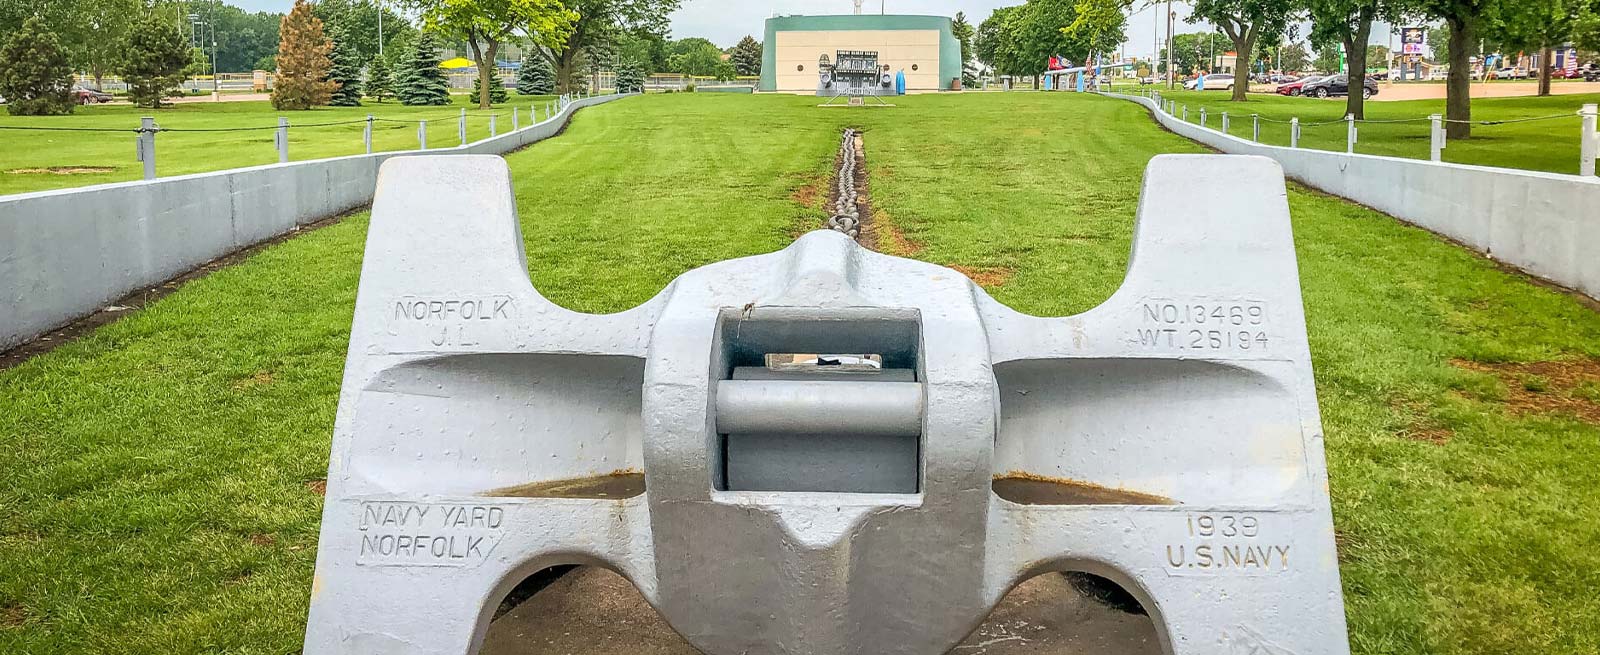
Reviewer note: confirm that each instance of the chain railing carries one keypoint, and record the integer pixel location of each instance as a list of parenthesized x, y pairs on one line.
[(145, 133), (1589, 135)]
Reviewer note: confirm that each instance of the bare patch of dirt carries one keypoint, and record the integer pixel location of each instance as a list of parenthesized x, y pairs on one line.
[(139, 299), (890, 239), (1552, 387), (61, 170), (13, 616), (809, 195), (1420, 426), (318, 487), (986, 276), (261, 378), (262, 540)]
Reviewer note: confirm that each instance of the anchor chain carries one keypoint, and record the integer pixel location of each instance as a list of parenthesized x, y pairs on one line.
[(846, 216)]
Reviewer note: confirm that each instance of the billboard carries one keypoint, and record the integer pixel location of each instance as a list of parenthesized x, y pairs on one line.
[(1412, 40)]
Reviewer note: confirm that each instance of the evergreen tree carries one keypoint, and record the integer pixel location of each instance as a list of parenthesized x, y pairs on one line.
[(346, 71), (536, 78), (497, 89), (747, 57), (157, 55), (380, 81), (303, 63), (630, 77), (35, 78), (421, 81)]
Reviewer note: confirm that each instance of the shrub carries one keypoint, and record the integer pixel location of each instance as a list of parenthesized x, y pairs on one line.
[(630, 77), (497, 89), (35, 78), (421, 82), (536, 78), (346, 71), (380, 81), (157, 54)]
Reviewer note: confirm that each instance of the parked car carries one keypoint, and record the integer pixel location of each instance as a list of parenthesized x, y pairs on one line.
[(1149, 79), (86, 96), (1213, 81), (1294, 88), (1438, 74), (1591, 73), (1338, 85), (1511, 74)]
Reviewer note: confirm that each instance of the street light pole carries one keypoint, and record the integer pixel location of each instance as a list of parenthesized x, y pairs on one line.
[(1170, 43), (380, 27)]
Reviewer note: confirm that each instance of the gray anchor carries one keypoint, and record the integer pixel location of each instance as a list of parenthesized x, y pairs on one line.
[(827, 450)]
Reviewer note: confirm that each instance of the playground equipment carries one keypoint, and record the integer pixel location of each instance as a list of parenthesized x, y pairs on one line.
[(826, 450)]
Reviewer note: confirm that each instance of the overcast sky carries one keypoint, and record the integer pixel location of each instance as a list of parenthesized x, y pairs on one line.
[(724, 22)]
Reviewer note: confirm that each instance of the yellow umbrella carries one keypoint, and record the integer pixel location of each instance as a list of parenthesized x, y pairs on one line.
[(458, 62)]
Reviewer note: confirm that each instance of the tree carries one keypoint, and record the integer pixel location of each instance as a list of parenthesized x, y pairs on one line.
[(1328, 54), (1463, 18), (303, 63), (496, 89), (1293, 57), (965, 33), (360, 19), (630, 77), (699, 57), (1349, 23), (535, 78), (98, 30), (35, 78), (154, 59), (346, 71), (421, 81), (1244, 22), (1540, 26), (747, 57), (1099, 27), (1190, 53), (602, 24), (380, 80), (485, 24)]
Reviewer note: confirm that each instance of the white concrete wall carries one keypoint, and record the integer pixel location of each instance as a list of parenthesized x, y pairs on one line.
[(1546, 224), (69, 252)]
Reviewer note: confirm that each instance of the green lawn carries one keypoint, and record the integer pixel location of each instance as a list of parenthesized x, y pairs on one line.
[(27, 155), (1546, 145), (156, 500)]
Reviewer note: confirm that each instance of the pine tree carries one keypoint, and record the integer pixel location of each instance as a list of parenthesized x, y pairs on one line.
[(35, 78), (536, 77), (303, 63), (156, 58), (380, 81), (630, 77), (346, 71), (497, 89), (747, 57), (421, 81)]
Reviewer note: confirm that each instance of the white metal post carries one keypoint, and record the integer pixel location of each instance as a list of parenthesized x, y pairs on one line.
[(1436, 138), (1294, 132), (1350, 134), (366, 134), (1186, 113), (492, 130), (461, 127), (422, 135), (1202, 117), (516, 123), (1224, 122), (1255, 128), (283, 140), (1590, 146), (146, 146)]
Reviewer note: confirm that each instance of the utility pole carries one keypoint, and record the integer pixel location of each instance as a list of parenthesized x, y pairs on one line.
[(1169, 44), (380, 27)]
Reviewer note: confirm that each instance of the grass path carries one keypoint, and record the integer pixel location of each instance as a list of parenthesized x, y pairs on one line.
[(156, 501), (1546, 145)]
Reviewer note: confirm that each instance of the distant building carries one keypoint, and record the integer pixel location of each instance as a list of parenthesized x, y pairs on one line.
[(923, 47)]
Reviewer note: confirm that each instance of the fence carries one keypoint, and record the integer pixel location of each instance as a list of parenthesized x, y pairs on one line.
[(66, 253), (1547, 224)]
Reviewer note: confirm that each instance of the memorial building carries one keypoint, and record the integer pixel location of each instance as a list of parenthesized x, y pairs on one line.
[(922, 47)]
